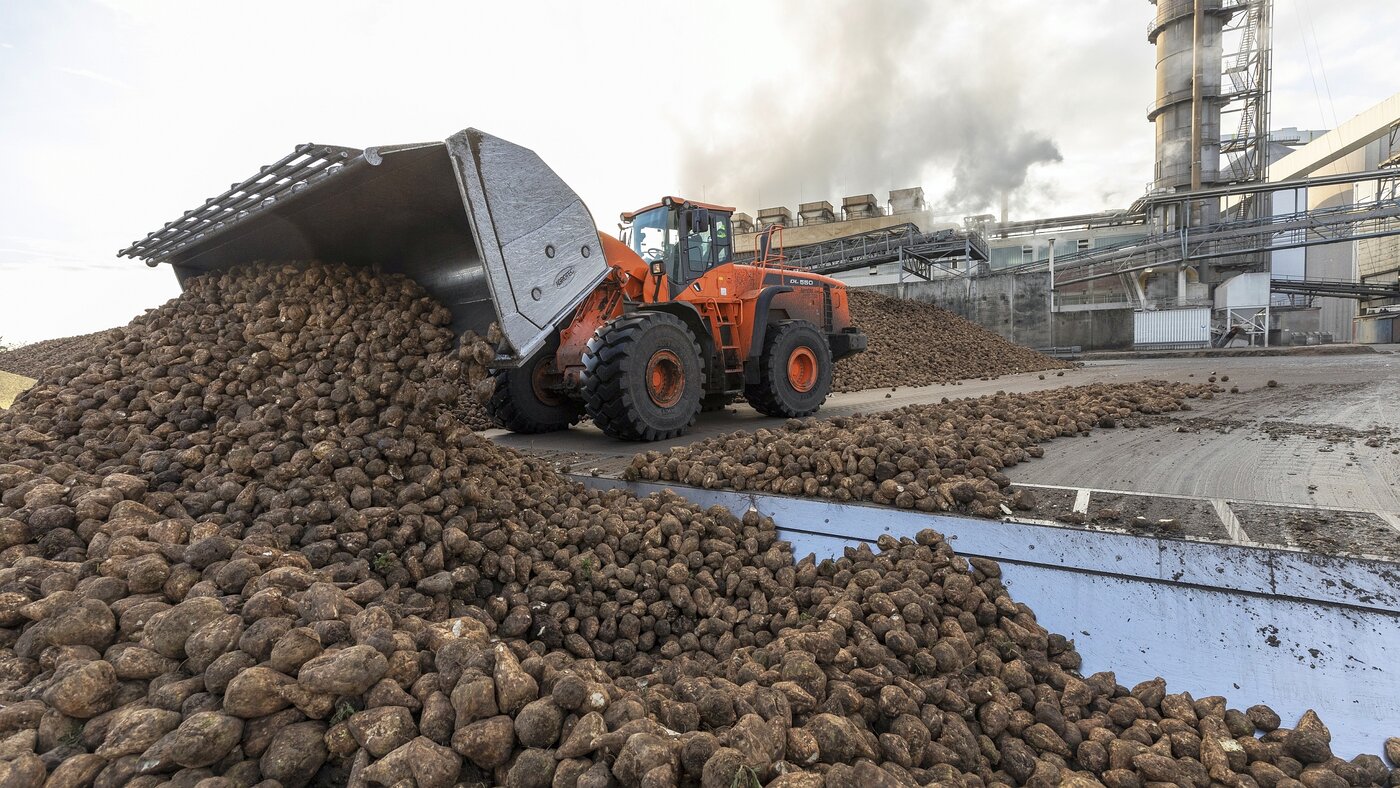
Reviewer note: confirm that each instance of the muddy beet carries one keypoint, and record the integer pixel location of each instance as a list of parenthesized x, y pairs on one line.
[(252, 542), (932, 458), (912, 343)]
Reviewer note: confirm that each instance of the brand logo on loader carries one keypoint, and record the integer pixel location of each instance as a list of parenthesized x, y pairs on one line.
[(564, 276), (792, 281)]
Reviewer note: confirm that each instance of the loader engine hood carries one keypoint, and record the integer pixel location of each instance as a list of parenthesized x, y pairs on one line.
[(484, 225)]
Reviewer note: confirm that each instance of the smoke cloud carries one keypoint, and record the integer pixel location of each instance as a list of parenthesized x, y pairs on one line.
[(885, 96), (995, 165)]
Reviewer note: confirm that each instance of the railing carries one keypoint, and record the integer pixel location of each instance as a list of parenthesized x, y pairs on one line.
[(1077, 257), (768, 248), (930, 269), (1086, 299), (1175, 97), (1169, 11)]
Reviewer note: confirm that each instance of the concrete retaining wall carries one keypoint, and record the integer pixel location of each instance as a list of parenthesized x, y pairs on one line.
[(1099, 329)]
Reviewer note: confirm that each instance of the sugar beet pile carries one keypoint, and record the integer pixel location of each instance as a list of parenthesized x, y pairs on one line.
[(31, 360), (254, 545), (918, 344), (932, 458)]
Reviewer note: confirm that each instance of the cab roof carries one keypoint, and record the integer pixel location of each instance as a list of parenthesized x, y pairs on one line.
[(628, 216)]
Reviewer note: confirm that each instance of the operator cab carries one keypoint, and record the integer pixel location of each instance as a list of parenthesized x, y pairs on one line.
[(686, 238)]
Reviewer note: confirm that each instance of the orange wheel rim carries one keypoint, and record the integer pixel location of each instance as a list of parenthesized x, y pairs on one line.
[(802, 369), (540, 384), (665, 378)]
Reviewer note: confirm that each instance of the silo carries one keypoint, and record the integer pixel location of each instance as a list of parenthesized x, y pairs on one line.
[(1187, 34)]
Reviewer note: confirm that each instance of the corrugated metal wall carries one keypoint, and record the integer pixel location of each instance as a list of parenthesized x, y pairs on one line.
[(1172, 328), (1376, 330)]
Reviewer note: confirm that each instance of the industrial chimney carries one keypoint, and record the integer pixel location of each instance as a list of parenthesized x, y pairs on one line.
[(1186, 109)]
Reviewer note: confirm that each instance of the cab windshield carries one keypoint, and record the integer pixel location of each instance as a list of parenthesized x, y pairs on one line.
[(655, 236)]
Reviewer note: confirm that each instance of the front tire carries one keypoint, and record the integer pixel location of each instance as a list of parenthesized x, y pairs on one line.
[(794, 371), (522, 402), (642, 378)]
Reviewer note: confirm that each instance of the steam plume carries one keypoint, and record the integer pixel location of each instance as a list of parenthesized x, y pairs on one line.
[(883, 103)]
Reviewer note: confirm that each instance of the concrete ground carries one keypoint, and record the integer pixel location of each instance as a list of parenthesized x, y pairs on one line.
[(1303, 442), (1327, 436), (11, 386)]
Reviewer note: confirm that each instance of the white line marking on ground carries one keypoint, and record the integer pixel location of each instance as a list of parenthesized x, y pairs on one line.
[(1231, 522), (1081, 501), (1393, 520)]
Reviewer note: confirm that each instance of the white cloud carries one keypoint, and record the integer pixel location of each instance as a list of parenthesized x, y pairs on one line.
[(96, 77), (608, 93)]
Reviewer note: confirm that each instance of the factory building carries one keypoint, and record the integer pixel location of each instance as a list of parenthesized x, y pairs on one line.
[(1207, 219), (1378, 259)]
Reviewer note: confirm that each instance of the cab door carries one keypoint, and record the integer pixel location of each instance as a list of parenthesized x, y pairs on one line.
[(706, 244)]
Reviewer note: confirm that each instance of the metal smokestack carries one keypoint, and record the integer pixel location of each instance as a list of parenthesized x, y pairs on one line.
[(1186, 110)]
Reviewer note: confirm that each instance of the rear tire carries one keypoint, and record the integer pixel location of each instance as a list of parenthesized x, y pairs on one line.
[(794, 371), (520, 403), (642, 378)]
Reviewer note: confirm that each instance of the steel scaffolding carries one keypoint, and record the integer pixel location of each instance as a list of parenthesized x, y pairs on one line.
[(921, 254), (1374, 217), (1248, 76)]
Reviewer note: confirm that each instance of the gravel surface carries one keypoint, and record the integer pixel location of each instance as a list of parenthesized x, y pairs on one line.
[(918, 344)]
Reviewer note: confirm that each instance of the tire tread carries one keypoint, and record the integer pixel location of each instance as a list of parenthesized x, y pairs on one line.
[(604, 397), (766, 397)]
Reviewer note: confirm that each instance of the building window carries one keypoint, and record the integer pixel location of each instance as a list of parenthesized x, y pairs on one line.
[(1027, 252), (1082, 244)]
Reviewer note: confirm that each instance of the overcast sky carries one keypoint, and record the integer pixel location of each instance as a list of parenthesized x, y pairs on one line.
[(118, 115)]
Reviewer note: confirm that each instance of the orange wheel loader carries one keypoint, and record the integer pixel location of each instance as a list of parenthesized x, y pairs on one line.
[(639, 333)]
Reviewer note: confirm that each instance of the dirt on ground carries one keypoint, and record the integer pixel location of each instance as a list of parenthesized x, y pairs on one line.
[(1046, 503), (1327, 531), (1375, 437), (1150, 515)]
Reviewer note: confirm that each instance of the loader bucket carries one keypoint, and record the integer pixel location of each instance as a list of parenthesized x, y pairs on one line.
[(485, 226)]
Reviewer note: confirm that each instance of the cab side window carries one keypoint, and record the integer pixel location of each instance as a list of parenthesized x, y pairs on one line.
[(699, 252), (723, 253)]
